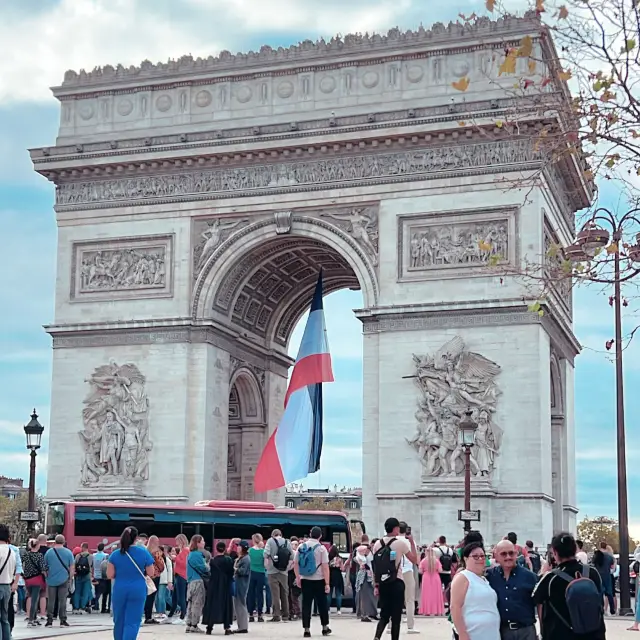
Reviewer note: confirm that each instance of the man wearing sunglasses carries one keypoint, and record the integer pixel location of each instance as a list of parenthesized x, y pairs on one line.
[(514, 585)]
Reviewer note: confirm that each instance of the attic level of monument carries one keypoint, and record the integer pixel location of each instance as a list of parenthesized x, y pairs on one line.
[(307, 52)]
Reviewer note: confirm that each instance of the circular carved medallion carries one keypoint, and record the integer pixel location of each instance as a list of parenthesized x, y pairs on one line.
[(86, 111), (415, 73), (327, 84), (163, 103), (370, 79), (285, 89), (461, 68), (243, 94), (125, 107), (203, 98)]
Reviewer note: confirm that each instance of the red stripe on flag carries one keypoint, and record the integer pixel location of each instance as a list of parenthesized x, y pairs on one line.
[(269, 471), (310, 370)]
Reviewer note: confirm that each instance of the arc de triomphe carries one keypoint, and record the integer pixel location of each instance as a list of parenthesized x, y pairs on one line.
[(197, 200)]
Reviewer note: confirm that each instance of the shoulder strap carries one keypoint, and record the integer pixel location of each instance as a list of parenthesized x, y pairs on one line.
[(584, 570), (6, 561), (135, 564), (60, 559)]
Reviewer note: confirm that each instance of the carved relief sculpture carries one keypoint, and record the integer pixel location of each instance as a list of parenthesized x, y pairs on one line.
[(122, 267), (115, 439), (437, 247), (208, 235), (451, 382), (362, 225)]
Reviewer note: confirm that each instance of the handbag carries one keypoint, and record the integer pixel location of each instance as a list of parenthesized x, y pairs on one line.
[(151, 587), (35, 581)]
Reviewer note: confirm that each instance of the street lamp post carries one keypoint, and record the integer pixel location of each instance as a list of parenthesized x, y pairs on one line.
[(589, 243), (466, 439), (33, 430)]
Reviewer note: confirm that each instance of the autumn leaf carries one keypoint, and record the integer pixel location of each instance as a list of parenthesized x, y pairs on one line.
[(509, 63), (588, 174), (608, 344), (634, 133), (541, 312), (494, 260), (499, 124), (540, 6), (563, 13), (526, 47), (491, 5), (462, 84), (545, 82), (462, 123), (638, 171), (612, 248), (629, 45), (484, 246), (564, 75), (534, 307), (528, 83), (532, 66)]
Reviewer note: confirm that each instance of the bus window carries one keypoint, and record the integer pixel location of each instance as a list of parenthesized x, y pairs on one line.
[(229, 530), (340, 540), (96, 522), (55, 519)]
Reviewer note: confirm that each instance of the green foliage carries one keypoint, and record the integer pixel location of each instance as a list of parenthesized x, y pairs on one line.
[(10, 515), (318, 503), (593, 531)]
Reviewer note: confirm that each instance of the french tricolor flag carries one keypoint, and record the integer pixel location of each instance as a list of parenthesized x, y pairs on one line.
[(294, 448)]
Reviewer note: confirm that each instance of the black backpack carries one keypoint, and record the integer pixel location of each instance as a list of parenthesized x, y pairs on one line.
[(83, 568), (282, 557), (446, 559), (536, 562), (385, 568)]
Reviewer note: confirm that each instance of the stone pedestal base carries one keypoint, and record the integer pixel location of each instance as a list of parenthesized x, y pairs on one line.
[(454, 487), (132, 490)]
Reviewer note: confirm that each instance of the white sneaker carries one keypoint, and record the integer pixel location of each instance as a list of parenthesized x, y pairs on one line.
[(178, 621), (413, 631), (338, 613)]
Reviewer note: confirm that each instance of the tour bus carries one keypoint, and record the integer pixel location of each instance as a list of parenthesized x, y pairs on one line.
[(95, 522)]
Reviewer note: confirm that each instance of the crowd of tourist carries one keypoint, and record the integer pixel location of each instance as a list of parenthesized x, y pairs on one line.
[(488, 593)]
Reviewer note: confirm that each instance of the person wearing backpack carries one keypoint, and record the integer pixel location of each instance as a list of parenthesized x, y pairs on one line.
[(569, 597), (534, 557), (445, 554), (388, 554), (84, 570), (311, 565), (278, 558)]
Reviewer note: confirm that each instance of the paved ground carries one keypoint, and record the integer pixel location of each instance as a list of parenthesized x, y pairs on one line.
[(344, 628)]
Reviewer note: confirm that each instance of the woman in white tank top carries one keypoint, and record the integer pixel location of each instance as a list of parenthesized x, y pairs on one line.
[(474, 604)]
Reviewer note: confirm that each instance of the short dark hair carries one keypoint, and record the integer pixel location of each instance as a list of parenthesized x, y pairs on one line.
[(442, 539), (84, 546), (221, 546), (101, 546), (579, 544), (4, 533), (603, 545), (404, 527), (293, 539), (472, 536), (316, 533), (564, 544), (471, 547), (512, 537), (529, 544), (143, 535), (391, 524)]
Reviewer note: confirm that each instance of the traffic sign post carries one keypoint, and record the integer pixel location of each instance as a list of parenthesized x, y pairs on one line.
[(469, 515)]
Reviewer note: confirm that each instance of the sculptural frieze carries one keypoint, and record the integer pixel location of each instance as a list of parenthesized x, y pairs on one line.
[(453, 381), (361, 223), (334, 170), (209, 235), (115, 439), (452, 245), (133, 267)]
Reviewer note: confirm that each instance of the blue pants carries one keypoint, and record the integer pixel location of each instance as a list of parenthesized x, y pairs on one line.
[(127, 604), (82, 594), (255, 596), (5, 603), (161, 599), (337, 592), (179, 596)]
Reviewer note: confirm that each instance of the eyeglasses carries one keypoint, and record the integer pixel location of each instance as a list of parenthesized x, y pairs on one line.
[(507, 554), (478, 557)]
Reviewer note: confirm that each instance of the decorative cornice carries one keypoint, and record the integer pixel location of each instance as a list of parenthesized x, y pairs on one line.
[(420, 163), (307, 52)]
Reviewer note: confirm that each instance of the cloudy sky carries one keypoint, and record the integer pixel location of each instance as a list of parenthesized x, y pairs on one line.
[(40, 39)]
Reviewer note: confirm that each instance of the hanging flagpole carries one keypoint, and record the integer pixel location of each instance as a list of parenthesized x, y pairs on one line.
[(295, 447)]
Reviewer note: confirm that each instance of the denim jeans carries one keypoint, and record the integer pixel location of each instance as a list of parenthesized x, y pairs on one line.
[(5, 599), (22, 598), (337, 592), (179, 596), (82, 594), (255, 597), (161, 599)]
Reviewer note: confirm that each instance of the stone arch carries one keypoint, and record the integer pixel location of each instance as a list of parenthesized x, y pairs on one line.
[(247, 428), (559, 461), (260, 255)]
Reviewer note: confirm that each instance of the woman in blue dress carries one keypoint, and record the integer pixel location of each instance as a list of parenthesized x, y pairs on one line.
[(128, 566)]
